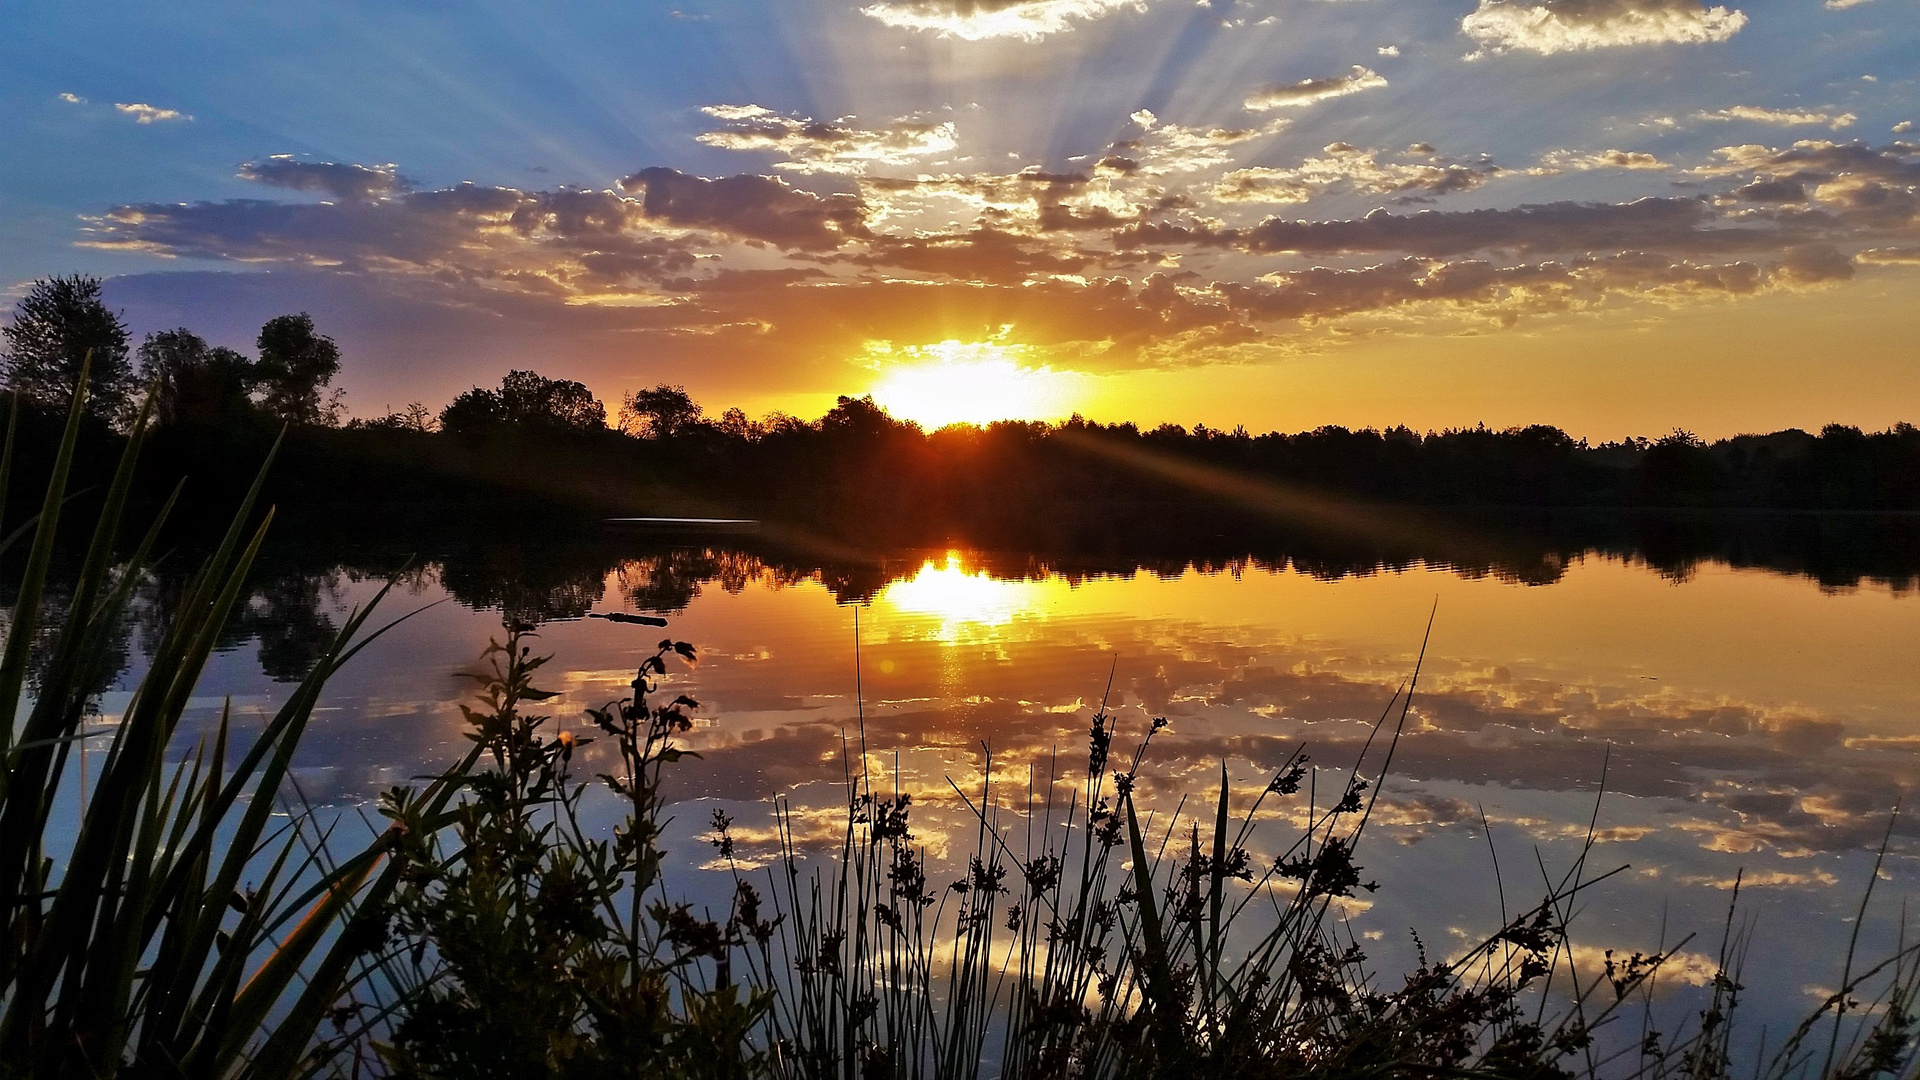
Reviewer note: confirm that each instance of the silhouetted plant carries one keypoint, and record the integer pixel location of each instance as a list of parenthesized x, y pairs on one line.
[(541, 950), (183, 930)]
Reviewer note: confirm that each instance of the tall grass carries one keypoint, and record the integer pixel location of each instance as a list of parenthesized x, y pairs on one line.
[(1097, 940), (188, 928)]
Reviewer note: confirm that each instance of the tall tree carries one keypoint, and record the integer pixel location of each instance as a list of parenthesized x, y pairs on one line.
[(659, 413), (55, 326), (526, 399), (193, 380), (296, 364)]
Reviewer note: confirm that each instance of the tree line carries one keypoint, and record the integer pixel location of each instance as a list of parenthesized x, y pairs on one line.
[(62, 323), (544, 446)]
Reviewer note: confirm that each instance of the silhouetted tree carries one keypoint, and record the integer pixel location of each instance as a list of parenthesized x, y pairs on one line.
[(861, 416), (54, 327), (526, 399), (659, 413), (296, 364), (193, 380)]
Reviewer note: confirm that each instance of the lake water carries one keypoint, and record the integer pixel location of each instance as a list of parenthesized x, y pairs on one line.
[(1746, 720)]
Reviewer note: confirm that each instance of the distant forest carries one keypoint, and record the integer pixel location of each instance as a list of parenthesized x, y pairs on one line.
[(536, 452)]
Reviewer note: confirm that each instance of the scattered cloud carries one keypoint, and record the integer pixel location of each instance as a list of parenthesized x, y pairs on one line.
[(1771, 191), (762, 208), (352, 182), (1821, 160), (1677, 225), (1842, 5), (150, 114), (73, 99), (1388, 50), (1556, 26), (1891, 256), (819, 146), (1903, 127), (1783, 117), (1167, 148), (1149, 251), (1308, 91), (1554, 161), (1347, 167), (1875, 190), (974, 20)]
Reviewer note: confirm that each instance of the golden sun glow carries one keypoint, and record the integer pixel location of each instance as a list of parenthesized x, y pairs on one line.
[(963, 600), (968, 382)]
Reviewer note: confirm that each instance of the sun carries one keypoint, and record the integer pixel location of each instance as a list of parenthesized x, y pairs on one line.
[(967, 382)]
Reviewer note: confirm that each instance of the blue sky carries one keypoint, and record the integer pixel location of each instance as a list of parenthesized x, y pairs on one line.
[(1254, 209)]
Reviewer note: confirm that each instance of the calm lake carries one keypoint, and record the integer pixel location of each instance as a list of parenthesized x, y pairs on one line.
[(1747, 719)]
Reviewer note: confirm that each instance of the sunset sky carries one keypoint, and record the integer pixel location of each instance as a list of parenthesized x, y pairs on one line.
[(1619, 216)]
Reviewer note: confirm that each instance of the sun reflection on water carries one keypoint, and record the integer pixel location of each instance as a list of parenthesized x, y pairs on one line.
[(964, 601)]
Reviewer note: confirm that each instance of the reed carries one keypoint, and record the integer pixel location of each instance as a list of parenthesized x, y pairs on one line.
[(137, 948)]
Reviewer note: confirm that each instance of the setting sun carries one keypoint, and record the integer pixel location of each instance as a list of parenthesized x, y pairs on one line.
[(961, 382)]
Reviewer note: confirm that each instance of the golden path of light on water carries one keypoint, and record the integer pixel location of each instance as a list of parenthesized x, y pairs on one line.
[(965, 602)]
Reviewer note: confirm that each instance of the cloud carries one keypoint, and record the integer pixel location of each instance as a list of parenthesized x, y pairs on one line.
[(1874, 192), (555, 243), (1891, 256), (974, 20), (1171, 148), (818, 146), (1557, 26), (351, 182), (1820, 160), (1681, 225), (1388, 50), (1842, 5), (1504, 294), (1772, 191), (1031, 200), (751, 207), (1308, 91), (1579, 161), (1348, 167), (1111, 263), (978, 255), (151, 114), (72, 99), (1783, 117)]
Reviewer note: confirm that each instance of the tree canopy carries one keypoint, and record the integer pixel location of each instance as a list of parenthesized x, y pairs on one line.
[(660, 413), (193, 380), (526, 399), (55, 327), (296, 364)]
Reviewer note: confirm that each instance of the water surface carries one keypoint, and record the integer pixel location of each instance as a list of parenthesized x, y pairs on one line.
[(1745, 720)]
